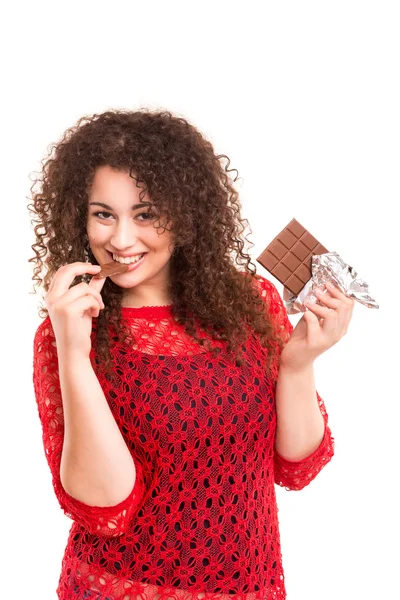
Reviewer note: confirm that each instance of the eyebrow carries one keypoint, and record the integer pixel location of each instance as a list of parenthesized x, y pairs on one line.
[(134, 207)]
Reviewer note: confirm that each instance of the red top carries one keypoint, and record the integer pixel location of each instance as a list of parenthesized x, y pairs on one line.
[(202, 516)]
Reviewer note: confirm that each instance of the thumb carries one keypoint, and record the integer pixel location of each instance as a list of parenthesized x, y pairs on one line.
[(97, 283)]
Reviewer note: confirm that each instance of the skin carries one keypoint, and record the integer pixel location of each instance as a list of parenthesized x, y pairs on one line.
[(300, 425), (123, 230), (320, 328)]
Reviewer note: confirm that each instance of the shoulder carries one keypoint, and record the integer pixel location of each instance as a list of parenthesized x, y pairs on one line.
[(274, 304), (44, 333), (271, 297), (266, 287), (45, 328), (267, 290)]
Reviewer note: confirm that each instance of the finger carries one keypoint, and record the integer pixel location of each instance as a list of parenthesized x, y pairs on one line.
[(351, 304), (343, 306), (79, 265), (313, 325), (327, 299), (80, 290), (83, 304), (335, 322), (97, 283), (66, 274), (322, 312), (345, 315), (337, 293)]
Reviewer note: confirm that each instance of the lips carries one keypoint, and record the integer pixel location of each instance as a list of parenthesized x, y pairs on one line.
[(134, 255)]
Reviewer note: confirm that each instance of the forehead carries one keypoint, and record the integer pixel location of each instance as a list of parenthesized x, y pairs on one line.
[(106, 176), (110, 185)]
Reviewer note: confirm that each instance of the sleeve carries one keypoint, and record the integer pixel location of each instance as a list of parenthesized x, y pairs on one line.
[(294, 475), (109, 521)]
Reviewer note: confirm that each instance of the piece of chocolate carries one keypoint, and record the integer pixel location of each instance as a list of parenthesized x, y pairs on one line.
[(289, 256), (111, 268)]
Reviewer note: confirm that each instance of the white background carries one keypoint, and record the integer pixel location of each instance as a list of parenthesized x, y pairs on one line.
[(304, 99)]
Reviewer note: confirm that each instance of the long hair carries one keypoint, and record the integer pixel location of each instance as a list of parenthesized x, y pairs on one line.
[(213, 280)]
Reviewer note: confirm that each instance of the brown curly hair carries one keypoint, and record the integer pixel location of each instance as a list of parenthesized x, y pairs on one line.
[(189, 188)]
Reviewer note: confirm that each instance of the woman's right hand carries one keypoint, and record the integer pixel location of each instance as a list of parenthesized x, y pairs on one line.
[(71, 309)]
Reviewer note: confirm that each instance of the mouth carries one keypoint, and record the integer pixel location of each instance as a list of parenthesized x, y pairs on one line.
[(133, 265)]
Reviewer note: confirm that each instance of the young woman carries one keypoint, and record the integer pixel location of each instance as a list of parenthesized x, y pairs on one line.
[(175, 395)]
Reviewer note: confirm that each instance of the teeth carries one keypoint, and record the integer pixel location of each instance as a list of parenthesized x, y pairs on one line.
[(127, 261)]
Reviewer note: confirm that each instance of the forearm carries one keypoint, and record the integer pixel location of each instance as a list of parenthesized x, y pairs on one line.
[(300, 424), (96, 465)]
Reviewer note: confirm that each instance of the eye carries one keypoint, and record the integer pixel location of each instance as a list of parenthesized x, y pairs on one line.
[(147, 214), (97, 214)]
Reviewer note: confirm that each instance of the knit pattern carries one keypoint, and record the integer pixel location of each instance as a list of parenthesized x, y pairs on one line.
[(201, 521)]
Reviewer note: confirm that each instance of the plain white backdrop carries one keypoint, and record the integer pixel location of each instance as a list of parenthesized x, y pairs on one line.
[(304, 99)]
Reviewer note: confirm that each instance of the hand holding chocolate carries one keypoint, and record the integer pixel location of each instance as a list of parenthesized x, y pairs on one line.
[(299, 261)]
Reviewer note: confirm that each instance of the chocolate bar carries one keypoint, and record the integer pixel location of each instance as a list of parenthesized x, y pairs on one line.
[(289, 256), (111, 268)]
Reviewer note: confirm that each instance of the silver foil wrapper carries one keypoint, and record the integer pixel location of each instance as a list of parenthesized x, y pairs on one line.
[(330, 267)]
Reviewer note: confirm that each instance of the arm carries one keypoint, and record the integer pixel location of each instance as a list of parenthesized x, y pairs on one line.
[(95, 479), (300, 425), (303, 442), (297, 474)]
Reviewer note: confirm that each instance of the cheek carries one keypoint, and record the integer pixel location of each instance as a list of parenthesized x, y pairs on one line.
[(161, 243), (96, 238), (91, 233), (94, 241)]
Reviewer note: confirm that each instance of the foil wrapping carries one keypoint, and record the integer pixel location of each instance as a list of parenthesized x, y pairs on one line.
[(325, 268)]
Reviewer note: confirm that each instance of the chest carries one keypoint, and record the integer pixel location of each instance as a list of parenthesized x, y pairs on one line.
[(192, 405)]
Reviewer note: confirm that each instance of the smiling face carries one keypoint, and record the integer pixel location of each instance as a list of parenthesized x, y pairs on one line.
[(119, 223)]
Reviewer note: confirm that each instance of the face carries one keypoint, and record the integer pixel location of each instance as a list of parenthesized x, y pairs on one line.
[(120, 224)]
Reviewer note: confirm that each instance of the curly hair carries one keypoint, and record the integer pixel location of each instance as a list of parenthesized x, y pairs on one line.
[(190, 188)]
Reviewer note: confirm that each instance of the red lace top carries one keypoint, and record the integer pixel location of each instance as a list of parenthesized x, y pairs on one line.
[(201, 520)]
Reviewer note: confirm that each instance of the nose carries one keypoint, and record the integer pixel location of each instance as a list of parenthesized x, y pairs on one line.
[(123, 238)]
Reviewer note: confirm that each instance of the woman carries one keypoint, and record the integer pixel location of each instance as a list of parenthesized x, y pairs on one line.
[(172, 396)]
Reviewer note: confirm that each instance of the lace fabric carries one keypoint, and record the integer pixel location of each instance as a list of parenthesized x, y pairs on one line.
[(202, 519)]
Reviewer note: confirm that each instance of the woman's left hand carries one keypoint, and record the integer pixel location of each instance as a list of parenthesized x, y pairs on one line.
[(320, 328)]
